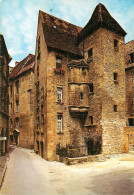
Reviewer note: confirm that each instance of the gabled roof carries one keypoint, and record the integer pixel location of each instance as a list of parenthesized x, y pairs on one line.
[(23, 66), (3, 49), (60, 34), (101, 18)]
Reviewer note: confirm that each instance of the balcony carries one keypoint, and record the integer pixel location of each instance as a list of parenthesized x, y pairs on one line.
[(78, 111)]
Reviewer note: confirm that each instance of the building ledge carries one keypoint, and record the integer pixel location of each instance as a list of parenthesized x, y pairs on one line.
[(78, 108), (70, 83)]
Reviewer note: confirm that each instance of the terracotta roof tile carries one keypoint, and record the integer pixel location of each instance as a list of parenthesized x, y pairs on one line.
[(60, 34), (26, 64)]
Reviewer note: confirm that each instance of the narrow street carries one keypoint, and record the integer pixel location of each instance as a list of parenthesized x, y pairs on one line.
[(28, 174)]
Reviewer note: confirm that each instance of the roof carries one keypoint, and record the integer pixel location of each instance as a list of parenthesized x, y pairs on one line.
[(101, 18), (3, 48), (23, 66), (60, 34)]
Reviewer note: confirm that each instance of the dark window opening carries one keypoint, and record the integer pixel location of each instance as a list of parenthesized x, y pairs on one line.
[(38, 48), (91, 119), (17, 87), (58, 62), (115, 77), (11, 90), (90, 53), (115, 43), (131, 58), (91, 88), (115, 108), (81, 96), (131, 121)]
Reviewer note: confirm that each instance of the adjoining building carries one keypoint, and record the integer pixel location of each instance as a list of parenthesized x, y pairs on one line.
[(5, 58), (21, 109), (80, 100)]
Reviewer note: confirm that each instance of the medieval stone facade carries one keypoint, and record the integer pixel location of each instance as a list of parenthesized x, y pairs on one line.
[(21, 109), (80, 98), (4, 97)]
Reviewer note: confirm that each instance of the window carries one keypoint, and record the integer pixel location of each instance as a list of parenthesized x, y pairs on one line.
[(81, 96), (115, 108), (17, 106), (131, 58), (58, 62), (42, 94), (59, 122), (17, 87), (11, 123), (42, 119), (59, 94), (131, 121), (91, 119), (11, 90), (11, 108), (17, 122), (116, 44), (91, 88), (115, 77), (90, 53), (38, 57)]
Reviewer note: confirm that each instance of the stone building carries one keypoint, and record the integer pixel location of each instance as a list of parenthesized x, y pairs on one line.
[(129, 70), (80, 86), (21, 85), (4, 97)]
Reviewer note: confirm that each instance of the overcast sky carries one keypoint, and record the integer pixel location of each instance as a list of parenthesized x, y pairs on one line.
[(18, 19)]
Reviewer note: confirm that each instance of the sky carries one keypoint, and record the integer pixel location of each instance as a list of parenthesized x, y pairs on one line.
[(19, 18)]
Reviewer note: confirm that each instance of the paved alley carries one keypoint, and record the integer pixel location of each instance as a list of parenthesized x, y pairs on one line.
[(29, 174)]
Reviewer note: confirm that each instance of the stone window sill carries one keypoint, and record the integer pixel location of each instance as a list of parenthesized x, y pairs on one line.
[(60, 132), (91, 93)]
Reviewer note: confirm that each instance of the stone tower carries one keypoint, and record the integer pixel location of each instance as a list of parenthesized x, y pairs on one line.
[(102, 43)]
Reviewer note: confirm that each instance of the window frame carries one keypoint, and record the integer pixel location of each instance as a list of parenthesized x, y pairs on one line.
[(58, 62), (59, 123), (59, 94)]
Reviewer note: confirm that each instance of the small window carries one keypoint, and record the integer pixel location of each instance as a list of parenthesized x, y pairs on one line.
[(131, 58), (17, 122), (91, 119), (91, 88), (115, 77), (90, 53), (58, 62), (81, 96), (131, 121), (115, 44), (11, 90), (42, 119), (59, 123), (17, 87), (17, 106), (38, 46), (115, 108), (59, 94)]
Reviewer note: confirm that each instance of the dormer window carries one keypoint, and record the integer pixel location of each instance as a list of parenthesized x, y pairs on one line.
[(131, 57), (115, 44), (58, 62)]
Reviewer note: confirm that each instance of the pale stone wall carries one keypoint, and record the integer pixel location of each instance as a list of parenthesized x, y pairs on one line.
[(26, 111)]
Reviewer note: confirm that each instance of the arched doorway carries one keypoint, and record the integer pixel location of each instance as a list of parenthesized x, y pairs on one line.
[(41, 144), (16, 136)]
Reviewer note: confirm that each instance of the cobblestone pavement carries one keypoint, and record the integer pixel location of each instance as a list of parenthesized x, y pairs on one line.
[(28, 174)]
